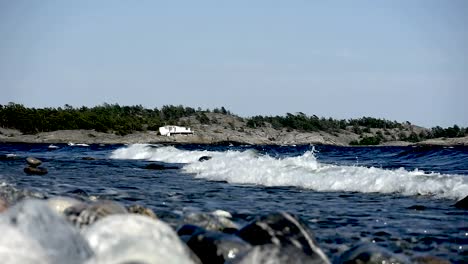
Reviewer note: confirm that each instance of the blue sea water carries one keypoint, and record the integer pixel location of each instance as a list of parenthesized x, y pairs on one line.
[(397, 197)]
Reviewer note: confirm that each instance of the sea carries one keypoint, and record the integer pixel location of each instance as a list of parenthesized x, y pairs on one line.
[(400, 198)]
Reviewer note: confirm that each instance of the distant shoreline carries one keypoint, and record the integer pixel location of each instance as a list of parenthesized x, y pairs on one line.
[(206, 137)]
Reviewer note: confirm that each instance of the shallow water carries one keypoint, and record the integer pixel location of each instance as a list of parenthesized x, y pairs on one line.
[(398, 197)]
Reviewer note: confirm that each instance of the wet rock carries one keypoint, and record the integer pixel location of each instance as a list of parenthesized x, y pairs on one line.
[(141, 210), (60, 242), (60, 204), (134, 238), (370, 254), (217, 247), (462, 204), (283, 230), (11, 195), (185, 232), (88, 158), (429, 260), (3, 205), (210, 221), (33, 162), (35, 170), (17, 248), (204, 158), (272, 254), (86, 214), (155, 166)]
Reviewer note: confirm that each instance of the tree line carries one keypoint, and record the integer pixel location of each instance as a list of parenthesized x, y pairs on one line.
[(123, 120)]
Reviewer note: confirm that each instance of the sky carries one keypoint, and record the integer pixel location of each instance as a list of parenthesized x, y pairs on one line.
[(399, 60)]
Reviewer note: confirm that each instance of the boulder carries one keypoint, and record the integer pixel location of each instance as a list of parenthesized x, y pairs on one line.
[(35, 170), (141, 210), (283, 230), (210, 221), (135, 239), (462, 204), (370, 254), (272, 254), (83, 214), (33, 162), (18, 248), (60, 241), (11, 195), (59, 204), (217, 247)]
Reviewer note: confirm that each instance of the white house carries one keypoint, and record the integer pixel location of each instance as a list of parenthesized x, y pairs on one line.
[(172, 130)]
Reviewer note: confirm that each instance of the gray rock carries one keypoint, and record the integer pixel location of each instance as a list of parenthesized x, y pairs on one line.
[(141, 210), (136, 238), (272, 254), (17, 248), (212, 222), (35, 170), (35, 220), (11, 195), (59, 204), (283, 230), (85, 214), (216, 247), (33, 162), (370, 254)]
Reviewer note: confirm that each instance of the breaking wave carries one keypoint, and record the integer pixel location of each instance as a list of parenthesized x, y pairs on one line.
[(249, 167)]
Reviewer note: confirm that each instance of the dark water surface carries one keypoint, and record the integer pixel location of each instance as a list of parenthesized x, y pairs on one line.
[(397, 197)]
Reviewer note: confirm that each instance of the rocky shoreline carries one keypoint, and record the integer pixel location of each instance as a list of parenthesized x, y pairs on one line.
[(64, 229), (211, 135)]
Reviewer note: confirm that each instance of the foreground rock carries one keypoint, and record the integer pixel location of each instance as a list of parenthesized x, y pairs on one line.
[(60, 204), (83, 214), (272, 254), (48, 235), (141, 210), (284, 230), (211, 221), (134, 238), (18, 248), (213, 247)]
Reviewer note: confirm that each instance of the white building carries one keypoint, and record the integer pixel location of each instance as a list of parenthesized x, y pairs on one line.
[(172, 130)]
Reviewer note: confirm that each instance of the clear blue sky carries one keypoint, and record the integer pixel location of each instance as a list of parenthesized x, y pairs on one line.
[(400, 60)]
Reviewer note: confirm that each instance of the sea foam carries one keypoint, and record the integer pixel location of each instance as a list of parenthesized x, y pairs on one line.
[(249, 167)]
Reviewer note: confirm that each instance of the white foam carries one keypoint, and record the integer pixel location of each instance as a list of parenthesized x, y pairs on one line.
[(163, 154), (304, 171)]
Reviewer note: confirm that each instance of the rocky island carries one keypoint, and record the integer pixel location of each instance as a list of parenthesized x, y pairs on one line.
[(113, 124)]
